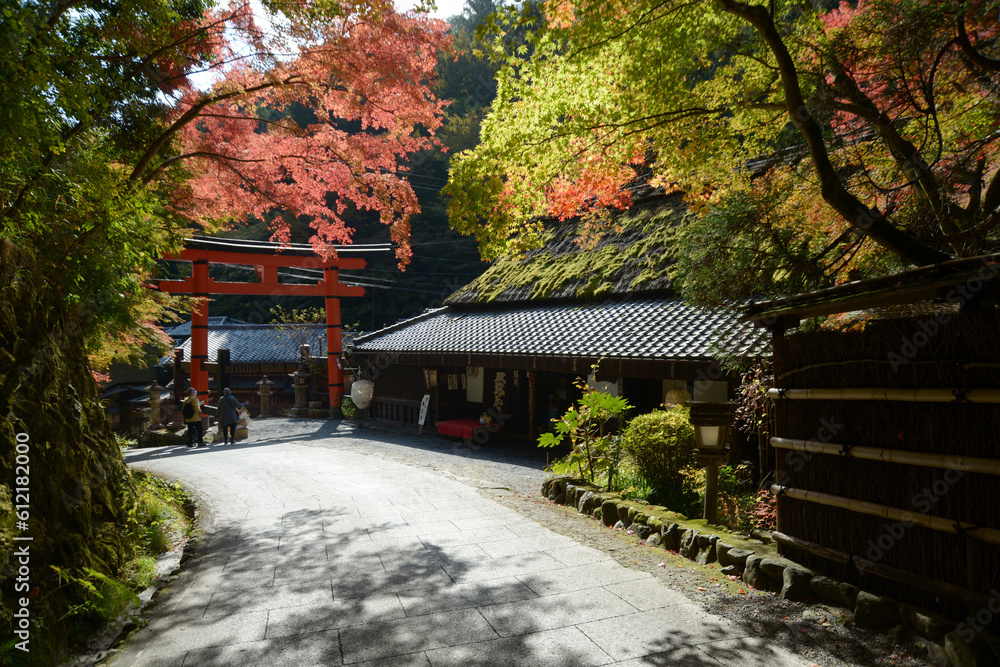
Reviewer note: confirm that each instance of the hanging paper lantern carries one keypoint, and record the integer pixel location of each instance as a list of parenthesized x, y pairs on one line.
[(362, 392)]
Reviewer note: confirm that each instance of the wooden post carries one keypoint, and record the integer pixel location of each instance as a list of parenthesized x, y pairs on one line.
[(223, 357), (178, 384), (532, 426)]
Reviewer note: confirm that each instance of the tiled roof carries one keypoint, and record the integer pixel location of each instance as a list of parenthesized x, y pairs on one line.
[(184, 329), (631, 329), (258, 343)]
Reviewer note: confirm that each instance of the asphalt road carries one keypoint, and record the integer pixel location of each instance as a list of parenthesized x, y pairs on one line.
[(323, 545)]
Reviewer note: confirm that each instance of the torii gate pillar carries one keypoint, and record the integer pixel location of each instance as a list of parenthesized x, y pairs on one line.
[(334, 343), (199, 328)]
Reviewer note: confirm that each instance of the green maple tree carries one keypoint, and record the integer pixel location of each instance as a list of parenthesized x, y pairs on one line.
[(863, 139)]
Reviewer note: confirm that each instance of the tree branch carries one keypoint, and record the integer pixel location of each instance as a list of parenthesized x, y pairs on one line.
[(991, 200), (189, 116), (909, 160), (970, 51), (857, 214)]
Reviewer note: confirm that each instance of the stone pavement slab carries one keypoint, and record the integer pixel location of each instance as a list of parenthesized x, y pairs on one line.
[(316, 553)]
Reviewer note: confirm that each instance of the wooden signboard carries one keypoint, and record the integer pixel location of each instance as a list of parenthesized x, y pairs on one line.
[(424, 404)]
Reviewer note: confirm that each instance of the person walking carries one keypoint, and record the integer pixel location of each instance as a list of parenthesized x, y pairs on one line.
[(191, 411), (229, 409)]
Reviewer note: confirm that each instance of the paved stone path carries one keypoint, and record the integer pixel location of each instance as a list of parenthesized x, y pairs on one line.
[(322, 555)]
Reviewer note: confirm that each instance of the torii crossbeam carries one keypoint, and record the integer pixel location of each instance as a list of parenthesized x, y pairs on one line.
[(266, 258)]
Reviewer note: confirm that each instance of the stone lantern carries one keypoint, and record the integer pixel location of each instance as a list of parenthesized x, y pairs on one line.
[(265, 397), (300, 379), (711, 422), (154, 404)]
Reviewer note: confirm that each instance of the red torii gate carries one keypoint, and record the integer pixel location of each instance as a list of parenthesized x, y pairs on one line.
[(266, 258)]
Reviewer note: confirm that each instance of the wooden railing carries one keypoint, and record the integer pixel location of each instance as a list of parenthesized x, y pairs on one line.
[(395, 411)]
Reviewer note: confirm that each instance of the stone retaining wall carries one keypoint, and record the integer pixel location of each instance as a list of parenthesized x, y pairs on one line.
[(756, 562)]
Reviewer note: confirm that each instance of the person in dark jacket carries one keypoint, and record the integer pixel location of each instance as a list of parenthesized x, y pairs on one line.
[(229, 409)]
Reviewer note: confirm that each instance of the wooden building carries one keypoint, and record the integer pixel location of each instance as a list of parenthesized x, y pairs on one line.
[(514, 341)]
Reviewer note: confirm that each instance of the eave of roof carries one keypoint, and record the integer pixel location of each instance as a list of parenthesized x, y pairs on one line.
[(934, 282), (627, 329)]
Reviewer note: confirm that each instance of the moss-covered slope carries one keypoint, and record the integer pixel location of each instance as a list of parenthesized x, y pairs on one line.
[(636, 259), (70, 465)]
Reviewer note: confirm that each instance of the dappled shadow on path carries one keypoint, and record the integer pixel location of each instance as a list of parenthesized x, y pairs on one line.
[(319, 588)]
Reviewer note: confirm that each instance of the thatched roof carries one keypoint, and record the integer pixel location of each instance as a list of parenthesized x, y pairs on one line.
[(633, 261)]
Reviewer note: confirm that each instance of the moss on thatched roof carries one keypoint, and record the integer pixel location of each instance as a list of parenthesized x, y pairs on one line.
[(636, 259)]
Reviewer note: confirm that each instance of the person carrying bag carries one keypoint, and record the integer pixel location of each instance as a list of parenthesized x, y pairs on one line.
[(191, 411)]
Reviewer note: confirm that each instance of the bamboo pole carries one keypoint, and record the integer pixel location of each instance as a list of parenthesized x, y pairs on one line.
[(941, 524), (935, 586), (936, 395), (963, 463)]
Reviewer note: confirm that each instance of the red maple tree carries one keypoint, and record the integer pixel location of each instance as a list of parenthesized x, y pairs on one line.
[(361, 69)]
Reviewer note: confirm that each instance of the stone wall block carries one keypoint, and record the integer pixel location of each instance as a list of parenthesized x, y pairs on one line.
[(609, 513), (875, 612), (848, 594), (689, 544), (623, 514), (963, 653), (739, 557), (928, 624), (826, 589), (672, 534), (795, 584), (706, 549), (722, 553), (583, 505), (754, 576), (774, 567)]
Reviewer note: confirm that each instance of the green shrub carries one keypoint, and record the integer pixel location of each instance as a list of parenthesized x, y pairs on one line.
[(589, 427), (155, 517), (661, 446), (347, 408)]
